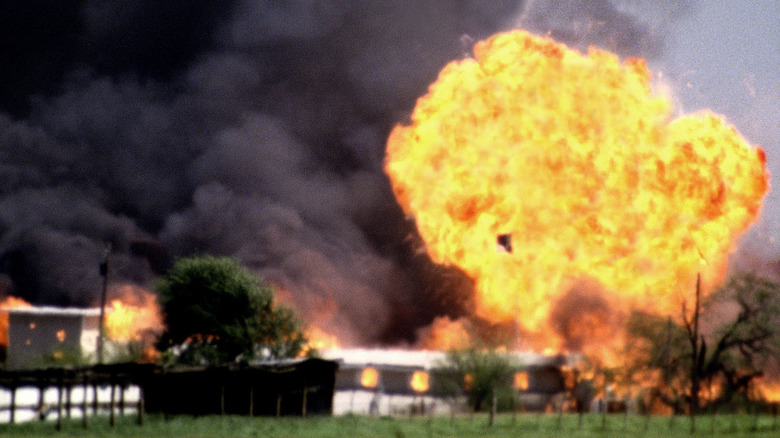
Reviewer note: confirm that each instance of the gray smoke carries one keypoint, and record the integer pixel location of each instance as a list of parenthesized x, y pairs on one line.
[(609, 25), (252, 129)]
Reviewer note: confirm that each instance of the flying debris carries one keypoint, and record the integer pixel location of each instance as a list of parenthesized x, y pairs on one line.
[(504, 242)]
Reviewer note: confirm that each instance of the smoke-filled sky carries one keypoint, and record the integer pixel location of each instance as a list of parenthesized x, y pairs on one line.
[(256, 129)]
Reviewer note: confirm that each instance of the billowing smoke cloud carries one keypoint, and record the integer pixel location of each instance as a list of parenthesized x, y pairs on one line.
[(583, 315), (246, 128)]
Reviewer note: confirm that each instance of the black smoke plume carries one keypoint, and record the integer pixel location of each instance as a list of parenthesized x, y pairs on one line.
[(254, 129)]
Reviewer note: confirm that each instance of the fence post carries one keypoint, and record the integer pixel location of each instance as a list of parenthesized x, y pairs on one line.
[(252, 399), (85, 381), (95, 398), (493, 406), (559, 421), (67, 401), (141, 405), (41, 413), (166, 382), (122, 398), (59, 403), (303, 401), (13, 404), (112, 414), (222, 398)]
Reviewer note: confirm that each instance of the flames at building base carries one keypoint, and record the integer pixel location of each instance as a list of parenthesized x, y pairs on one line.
[(610, 202)]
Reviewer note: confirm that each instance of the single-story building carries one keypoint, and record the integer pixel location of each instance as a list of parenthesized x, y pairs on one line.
[(387, 381), (40, 335)]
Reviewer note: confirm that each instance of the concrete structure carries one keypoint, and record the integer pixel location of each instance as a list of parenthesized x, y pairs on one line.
[(37, 335)]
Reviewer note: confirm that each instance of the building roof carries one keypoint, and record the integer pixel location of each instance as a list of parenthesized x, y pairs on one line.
[(52, 311), (423, 358)]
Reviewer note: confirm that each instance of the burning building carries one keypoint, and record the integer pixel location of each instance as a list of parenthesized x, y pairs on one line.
[(265, 141), (30, 334), (38, 334), (396, 381)]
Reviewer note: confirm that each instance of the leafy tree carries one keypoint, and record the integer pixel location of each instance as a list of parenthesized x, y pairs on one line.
[(281, 333), (660, 356), (217, 312), (743, 317), (481, 374)]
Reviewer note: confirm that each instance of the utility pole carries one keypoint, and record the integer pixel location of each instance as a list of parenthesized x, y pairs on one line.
[(103, 293)]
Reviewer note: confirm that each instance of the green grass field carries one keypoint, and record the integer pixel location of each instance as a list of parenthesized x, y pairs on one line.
[(526, 425)]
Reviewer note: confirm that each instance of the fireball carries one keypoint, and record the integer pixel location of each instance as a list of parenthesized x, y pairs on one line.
[(609, 200)]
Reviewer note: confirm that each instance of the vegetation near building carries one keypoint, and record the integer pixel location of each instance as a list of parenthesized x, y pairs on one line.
[(481, 374), (716, 351), (218, 312)]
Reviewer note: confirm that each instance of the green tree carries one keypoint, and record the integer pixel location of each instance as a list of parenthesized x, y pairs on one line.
[(218, 312), (280, 333), (659, 354), (481, 374)]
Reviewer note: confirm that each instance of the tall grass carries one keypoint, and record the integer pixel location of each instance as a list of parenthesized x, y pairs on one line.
[(507, 425)]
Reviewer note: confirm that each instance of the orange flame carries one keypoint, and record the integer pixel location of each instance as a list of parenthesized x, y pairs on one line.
[(8, 303), (520, 380), (468, 382), (445, 334), (319, 340), (200, 337), (575, 158), (369, 378), (769, 390), (420, 381), (136, 317)]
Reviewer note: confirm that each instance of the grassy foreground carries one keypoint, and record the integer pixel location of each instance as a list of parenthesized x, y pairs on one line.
[(527, 425)]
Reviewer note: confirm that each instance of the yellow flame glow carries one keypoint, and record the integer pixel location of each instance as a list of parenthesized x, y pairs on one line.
[(575, 158)]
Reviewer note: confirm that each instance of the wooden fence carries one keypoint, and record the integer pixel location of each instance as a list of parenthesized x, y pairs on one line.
[(297, 387), (65, 382)]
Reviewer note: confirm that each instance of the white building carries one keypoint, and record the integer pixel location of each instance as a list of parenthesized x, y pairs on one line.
[(36, 334), (400, 382)]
